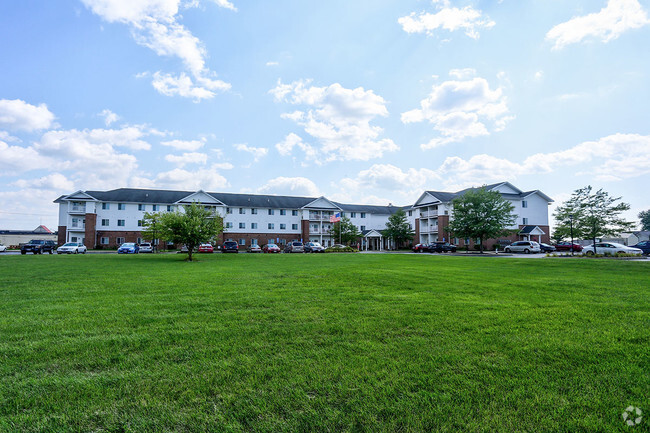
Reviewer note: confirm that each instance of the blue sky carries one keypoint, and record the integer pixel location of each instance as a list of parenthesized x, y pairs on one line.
[(361, 101)]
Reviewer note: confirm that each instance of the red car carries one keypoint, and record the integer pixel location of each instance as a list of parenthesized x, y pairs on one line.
[(206, 248), (420, 248), (566, 246), (271, 248)]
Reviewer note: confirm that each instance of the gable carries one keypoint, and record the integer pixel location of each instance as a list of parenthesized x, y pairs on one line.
[(506, 188), (200, 197), (321, 203), (79, 195), (426, 199)]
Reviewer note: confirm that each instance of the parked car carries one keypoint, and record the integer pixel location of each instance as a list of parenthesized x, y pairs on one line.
[(611, 248), (146, 247), (420, 248), (568, 246), (128, 248), (294, 247), (206, 248), (546, 248), (314, 247), (270, 248), (230, 247), (254, 249), (38, 246), (2, 248), (526, 247), (72, 248), (643, 246), (441, 247)]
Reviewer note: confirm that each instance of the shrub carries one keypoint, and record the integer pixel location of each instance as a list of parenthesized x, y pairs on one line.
[(341, 250)]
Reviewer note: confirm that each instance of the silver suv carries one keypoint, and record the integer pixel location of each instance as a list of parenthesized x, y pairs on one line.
[(526, 247), (294, 247)]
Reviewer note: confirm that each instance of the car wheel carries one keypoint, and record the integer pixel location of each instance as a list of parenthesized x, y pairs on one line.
[(526, 251), (23, 252), (507, 250), (589, 253), (76, 251)]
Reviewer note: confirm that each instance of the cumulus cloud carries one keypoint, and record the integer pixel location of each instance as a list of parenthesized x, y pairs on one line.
[(154, 24), (338, 118), (109, 117), (256, 152), (53, 181), (608, 24), (459, 109), (207, 179), (300, 186), (187, 158), (18, 115), (189, 145), (17, 159), (447, 18)]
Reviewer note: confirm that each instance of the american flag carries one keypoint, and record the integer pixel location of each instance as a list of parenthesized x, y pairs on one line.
[(335, 218)]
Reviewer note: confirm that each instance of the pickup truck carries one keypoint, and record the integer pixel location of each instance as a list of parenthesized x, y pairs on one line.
[(38, 246)]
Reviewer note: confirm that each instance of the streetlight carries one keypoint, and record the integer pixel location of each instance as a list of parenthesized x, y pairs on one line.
[(571, 225)]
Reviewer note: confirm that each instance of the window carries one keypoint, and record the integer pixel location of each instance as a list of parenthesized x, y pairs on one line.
[(362, 228), (103, 241), (242, 211), (283, 226), (342, 214), (253, 211), (139, 223), (253, 241), (120, 241), (294, 213), (139, 241), (271, 212), (106, 206), (478, 241), (242, 242), (141, 207), (524, 203), (410, 213), (242, 225), (353, 214), (154, 207), (363, 214), (466, 241), (228, 210), (73, 239), (455, 241), (105, 223), (283, 211), (271, 226), (446, 212), (253, 225), (525, 221), (314, 227), (120, 223), (156, 242), (294, 226), (228, 225), (170, 208), (121, 206)]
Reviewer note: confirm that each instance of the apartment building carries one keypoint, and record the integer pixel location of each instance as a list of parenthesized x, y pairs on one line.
[(110, 218)]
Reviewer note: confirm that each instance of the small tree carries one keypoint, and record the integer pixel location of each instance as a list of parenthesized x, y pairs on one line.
[(644, 216), (344, 231), (192, 227), (591, 214), (151, 227), (398, 228), (481, 214)]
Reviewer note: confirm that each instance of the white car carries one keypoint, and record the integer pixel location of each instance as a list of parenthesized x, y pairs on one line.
[(2, 248), (146, 247), (72, 248), (526, 247), (611, 248)]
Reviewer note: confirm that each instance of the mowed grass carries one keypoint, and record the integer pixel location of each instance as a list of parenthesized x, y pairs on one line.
[(328, 342)]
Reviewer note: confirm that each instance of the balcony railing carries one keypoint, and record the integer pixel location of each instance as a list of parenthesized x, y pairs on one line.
[(78, 209), (315, 217)]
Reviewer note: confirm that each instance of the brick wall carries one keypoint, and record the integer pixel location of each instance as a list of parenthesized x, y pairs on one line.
[(62, 235), (91, 226)]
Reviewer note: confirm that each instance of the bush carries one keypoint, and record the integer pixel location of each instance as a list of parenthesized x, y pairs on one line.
[(341, 250)]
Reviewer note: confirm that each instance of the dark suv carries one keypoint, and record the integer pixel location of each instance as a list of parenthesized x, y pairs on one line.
[(442, 247), (230, 247), (38, 246)]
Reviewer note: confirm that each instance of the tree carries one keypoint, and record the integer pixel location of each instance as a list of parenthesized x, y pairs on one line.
[(591, 215), (481, 214), (151, 227), (194, 226), (644, 216), (397, 228), (344, 231)]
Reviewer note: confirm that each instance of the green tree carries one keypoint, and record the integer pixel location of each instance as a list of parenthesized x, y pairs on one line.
[(345, 232), (398, 228), (151, 227), (644, 216), (591, 214), (481, 214), (193, 226)]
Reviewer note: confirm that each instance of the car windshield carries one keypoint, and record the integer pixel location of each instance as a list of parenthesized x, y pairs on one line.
[(70, 244), (130, 245), (145, 245), (272, 245), (37, 242)]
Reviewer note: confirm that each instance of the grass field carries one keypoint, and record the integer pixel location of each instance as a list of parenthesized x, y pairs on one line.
[(322, 343)]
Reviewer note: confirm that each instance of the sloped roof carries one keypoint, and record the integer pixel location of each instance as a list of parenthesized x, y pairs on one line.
[(387, 210), (447, 197), (525, 230)]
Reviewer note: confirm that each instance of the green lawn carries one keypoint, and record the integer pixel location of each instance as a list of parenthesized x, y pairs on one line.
[(322, 343)]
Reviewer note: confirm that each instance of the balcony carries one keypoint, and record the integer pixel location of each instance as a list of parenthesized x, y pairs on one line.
[(81, 209), (317, 217)]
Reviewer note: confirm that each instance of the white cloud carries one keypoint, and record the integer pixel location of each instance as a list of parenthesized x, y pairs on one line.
[(189, 145), (154, 24), (109, 117), (338, 118), (187, 158), (54, 181), (300, 186), (448, 18), (206, 179), (257, 152), (18, 115), (286, 146), (458, 110), (16, 159), (462, 74), (272, 63), (608, 24)]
